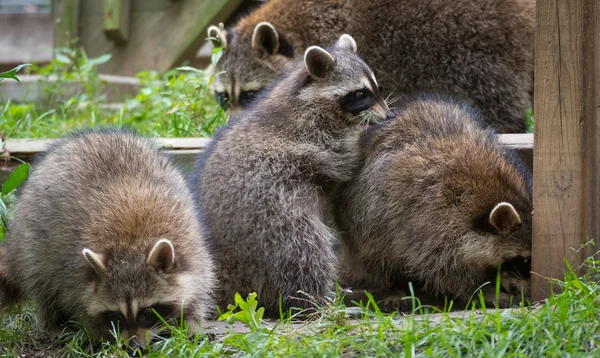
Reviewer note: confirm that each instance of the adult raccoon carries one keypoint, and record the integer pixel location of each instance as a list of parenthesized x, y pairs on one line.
[(105, 232), (476, 50), (438, 201), (264, 184)]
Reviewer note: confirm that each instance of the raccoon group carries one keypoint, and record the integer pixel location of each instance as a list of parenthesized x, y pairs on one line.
[(316, 180)]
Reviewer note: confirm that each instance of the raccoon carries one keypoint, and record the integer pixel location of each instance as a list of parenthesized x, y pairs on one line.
[(263, 185), (105, 232), (439, 202), (478, 51)]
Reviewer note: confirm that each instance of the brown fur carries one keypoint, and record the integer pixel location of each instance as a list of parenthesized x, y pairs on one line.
[(419, 208), (264, 185), (477, 50), (113, 193)]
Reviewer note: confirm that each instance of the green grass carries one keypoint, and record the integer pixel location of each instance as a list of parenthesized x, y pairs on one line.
[(567, 325), (176, 104)]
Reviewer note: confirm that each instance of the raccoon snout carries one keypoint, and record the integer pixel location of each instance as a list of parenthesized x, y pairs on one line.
[(518, 267), (390, 115)]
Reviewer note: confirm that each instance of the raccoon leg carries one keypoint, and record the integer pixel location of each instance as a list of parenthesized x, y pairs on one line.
[(305, 282), (9, 293), (53, 319)]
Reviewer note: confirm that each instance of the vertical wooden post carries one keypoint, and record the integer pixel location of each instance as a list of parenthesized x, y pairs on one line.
[(566, 163), (66, 21), (115, 22)]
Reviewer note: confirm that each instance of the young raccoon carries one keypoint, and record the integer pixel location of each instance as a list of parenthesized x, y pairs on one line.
[(263, 185), (105, 232), (438, 201), (479, 51)]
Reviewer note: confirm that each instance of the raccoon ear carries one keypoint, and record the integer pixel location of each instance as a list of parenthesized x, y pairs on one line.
[(347, 42), (162, 255), (504, 217), (318, 62), (216, 35), (265, 37), (95, 261)]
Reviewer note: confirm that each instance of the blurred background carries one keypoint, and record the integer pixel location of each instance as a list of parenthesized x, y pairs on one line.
[(141, 35)]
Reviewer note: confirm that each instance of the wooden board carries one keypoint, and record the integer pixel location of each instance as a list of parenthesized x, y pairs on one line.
[(25, 38), (33, 88), (566, 157), (185, 150)]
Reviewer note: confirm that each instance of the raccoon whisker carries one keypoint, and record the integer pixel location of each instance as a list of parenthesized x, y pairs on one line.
[(388, 98), (392, 101)]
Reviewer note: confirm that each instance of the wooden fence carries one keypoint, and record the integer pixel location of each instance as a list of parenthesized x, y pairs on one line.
[(566, 168)]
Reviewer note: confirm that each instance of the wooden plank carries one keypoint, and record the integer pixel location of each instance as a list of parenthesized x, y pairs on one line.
[(185, 150), (26, 38), (32, 88), (567, 112), (66, 22), (116, 20)]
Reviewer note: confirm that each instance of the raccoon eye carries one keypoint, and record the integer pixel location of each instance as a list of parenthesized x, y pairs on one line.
[(357, 101), (148, 318), (223, 99), (147, 313), (115, 319), (246, 97), (360, 94)]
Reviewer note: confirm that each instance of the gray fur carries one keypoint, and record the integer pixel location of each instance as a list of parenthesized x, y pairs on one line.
[(419, 207), (115, 195), (264, 186), (477, 50)]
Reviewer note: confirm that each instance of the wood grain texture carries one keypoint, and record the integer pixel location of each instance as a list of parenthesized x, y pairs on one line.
[(565, 162)]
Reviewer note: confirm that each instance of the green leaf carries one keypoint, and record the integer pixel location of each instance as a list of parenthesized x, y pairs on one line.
[(190, 69), (62, 58), (12, 73), (216, 55), (3, 215), (100, 60), (16, 178)]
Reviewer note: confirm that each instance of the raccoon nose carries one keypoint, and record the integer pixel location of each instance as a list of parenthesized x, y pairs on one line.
[(389, 115)]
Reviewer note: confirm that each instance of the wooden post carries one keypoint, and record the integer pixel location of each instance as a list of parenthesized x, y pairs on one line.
[(66, 21), (116, 20), (566, 163)]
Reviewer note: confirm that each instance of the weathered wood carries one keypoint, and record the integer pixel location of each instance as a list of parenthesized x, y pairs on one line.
[(163, 34), (66, 21), (185, 150), (567, 147), (116, 20), (32, 88), (25, 38)]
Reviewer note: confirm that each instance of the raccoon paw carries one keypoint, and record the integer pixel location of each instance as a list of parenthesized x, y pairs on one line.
[(503, 300), (395, 302)]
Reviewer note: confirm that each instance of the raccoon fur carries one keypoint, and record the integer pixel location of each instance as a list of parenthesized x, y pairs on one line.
[(264, 184), (439, 202), (478, 51), (105, 232)]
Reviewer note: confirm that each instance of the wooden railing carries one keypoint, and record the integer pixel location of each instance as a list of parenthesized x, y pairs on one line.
[(185, 150)]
